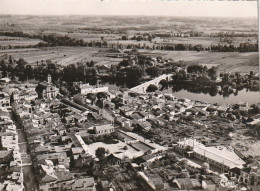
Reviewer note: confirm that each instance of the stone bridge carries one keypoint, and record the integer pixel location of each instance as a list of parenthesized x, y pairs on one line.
[(142, 87)]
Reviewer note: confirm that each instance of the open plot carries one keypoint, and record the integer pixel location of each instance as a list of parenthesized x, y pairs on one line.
[(117, 149), (247, 146), (141, 146)]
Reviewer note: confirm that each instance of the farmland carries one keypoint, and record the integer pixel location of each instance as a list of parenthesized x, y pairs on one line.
[(231, 62), (17, 41), (61, 55), (109, 29)]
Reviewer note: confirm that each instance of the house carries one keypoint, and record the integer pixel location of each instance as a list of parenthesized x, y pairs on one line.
[(84, 184), (136, 116), (80, 158), (5, 156), (113, 160), (86, 89), (105, 185), (5, 80), (183, 183), (234, 172), (126, 110), (4, 99), (209, 185), (144, 125), (52, 177), (57, 158), (195, 183), (153, 180), (11, 186), (104, 129), (107, 114), (250, 175)]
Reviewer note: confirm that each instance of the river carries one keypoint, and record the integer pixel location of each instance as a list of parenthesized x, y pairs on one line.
[(242, 96)]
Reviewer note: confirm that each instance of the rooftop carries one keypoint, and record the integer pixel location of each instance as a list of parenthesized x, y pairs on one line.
[(221, 154)]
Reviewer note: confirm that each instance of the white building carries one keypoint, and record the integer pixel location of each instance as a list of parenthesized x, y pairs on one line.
[(220, 156), (86, 89), (104, 129)]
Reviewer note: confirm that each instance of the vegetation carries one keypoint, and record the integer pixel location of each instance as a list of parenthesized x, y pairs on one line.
[(152, 88), (58, 40), (100, 153)]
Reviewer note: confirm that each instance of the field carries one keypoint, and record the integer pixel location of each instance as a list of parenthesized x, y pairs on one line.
[(60, 55), (229, 61), (112, 28), (204, 41), (5, 41)]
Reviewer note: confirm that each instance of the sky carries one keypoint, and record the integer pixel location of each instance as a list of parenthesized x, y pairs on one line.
[(131, 7)]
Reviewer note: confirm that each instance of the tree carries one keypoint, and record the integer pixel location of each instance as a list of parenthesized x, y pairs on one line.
[(65, 91), (153, 71), (212, 72), (22, 62), (101, 95), (213, 91), (196, 68), (100, 153), (133, 75), (251, 74), (124, 37), (152, 88), (92, 97), (124, 63)]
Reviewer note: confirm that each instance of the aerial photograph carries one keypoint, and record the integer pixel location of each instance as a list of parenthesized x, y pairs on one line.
[(129, 95)]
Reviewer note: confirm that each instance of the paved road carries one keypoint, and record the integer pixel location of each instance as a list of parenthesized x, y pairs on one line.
[(28, 175)]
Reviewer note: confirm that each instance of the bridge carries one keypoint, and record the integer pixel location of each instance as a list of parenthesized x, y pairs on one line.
[(142, 87)]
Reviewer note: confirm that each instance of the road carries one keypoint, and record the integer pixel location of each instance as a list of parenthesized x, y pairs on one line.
[(30, 183)]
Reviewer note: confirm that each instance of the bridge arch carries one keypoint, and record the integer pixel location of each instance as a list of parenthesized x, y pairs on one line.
[(142, 87)]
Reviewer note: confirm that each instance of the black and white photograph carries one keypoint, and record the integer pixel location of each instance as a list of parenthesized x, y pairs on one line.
[(129, 95)]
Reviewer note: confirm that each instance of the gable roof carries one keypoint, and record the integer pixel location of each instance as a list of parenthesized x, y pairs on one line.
[(235, 170)]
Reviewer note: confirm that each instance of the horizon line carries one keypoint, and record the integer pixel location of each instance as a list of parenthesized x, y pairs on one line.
[(137, 15)]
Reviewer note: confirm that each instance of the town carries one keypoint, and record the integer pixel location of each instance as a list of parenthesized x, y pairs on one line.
[(129, 95), (135, 139)]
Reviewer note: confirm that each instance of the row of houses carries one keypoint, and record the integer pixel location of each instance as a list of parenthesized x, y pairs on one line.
[(11, 164)]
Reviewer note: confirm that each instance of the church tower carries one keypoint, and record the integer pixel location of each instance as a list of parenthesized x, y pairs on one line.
[(49, 78)]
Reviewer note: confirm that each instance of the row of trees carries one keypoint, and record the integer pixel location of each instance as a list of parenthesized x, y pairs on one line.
[(57, 40), (75, 72), (243, 47), (233, 34), (54, 40)]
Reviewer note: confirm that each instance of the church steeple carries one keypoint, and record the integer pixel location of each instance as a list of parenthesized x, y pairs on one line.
[(49, 79)]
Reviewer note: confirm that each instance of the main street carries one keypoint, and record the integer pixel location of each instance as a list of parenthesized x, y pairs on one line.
[(30, 183)]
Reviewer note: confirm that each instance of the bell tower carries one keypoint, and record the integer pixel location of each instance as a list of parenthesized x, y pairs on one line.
[(49, 79)]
